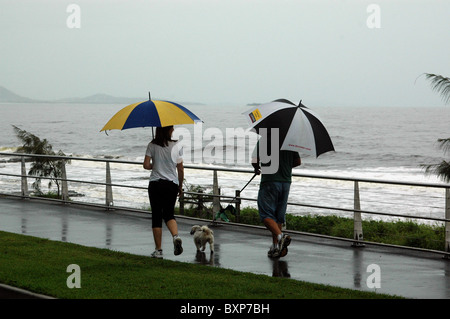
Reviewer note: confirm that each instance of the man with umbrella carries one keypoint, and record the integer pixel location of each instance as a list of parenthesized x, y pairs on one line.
[(273, 196), (285, 129)]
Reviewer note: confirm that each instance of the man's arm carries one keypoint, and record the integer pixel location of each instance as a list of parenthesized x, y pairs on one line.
[(297, 161), (256, 167)]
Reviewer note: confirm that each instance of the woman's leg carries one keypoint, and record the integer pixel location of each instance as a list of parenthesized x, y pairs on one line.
[(169, 199), (171, 192), (154, 195), (157, 235), (172, 226)]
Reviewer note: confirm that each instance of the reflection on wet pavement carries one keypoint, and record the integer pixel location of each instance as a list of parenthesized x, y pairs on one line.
[(405, 273)]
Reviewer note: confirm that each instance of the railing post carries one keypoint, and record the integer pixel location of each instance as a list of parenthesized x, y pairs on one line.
[(24, 186), (109, 194), (64, 188), (200, 201), (357, 222), (216, 199), (238, 206), (447, 224)]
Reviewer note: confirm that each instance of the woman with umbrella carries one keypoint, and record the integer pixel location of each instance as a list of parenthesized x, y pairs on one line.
[(165, 161), (163, 157)]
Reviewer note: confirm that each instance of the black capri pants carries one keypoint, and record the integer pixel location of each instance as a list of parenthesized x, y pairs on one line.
[(162, 195)]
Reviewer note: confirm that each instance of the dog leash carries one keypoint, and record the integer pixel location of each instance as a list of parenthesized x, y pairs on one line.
[(221, 213), (244, 186)]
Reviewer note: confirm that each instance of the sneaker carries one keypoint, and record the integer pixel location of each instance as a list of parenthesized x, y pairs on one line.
[(157, 254), (283, 244), (177, 248), (273, 252), (283, 252)]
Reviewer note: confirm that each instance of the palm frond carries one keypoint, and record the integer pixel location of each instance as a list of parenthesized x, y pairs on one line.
[(442, 170), (444, 144), (440, 84)]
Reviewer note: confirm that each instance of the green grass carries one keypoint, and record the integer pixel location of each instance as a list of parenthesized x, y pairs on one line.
[(40, 265)]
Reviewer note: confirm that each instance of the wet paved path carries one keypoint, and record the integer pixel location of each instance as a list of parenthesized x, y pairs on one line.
[(404, 273)]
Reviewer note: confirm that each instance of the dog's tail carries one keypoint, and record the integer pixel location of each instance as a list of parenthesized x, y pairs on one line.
[(207, 230)]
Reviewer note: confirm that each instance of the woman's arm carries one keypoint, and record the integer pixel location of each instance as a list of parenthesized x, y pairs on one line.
[(180, 170), (147, 162)]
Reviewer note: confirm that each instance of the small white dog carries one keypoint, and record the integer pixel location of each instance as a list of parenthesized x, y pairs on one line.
[(203, 235)]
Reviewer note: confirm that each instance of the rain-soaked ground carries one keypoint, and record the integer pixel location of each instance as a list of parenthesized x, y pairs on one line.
[(371, 268)]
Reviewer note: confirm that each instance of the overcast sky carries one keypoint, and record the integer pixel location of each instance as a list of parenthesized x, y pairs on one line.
[(326, 52)]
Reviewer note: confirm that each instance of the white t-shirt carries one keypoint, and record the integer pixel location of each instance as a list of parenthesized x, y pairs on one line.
[(164, 161)]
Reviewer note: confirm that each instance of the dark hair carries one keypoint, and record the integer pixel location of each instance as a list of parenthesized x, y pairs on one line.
[(163, 136)]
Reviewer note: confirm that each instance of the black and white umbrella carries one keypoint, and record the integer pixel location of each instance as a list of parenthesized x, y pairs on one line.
[(300, 129)]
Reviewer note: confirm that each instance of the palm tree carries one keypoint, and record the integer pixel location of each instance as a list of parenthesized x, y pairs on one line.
[(441, 84), (41, 167)]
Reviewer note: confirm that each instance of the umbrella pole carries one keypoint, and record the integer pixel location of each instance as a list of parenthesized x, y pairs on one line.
[(150, 98)]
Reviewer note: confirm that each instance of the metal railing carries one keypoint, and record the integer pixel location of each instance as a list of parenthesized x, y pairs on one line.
[(216, 198)]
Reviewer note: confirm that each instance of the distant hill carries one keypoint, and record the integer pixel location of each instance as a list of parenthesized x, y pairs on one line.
[(7, 96), (100, 99), (254, 104)]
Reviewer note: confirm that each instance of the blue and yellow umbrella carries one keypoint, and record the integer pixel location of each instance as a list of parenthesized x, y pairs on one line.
[(151, 113)]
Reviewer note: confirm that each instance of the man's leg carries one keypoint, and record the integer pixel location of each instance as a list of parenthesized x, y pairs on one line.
[(283, 240), (273, 227), (267, 202)]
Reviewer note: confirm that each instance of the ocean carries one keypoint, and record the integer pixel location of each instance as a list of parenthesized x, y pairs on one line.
[(383, 143)]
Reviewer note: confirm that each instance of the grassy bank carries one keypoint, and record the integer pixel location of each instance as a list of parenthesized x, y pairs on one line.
[(40, 265), (404, 233)]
